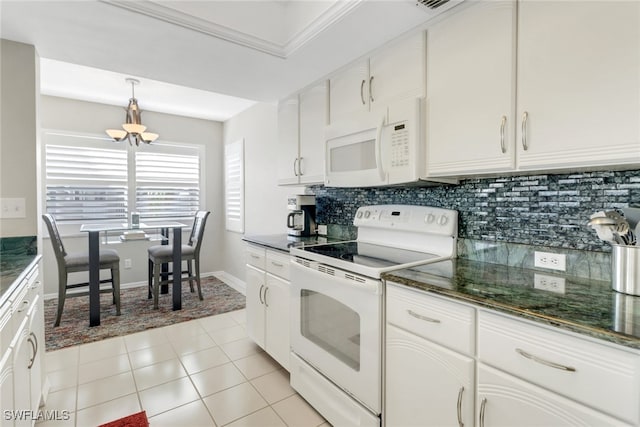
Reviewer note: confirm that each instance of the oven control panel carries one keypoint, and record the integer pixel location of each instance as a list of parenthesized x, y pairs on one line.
[(421, 219)]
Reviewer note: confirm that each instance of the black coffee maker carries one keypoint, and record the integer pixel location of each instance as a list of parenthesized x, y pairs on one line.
[(301, 220)]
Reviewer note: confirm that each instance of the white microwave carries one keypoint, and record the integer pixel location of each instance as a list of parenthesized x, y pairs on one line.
[(378, 149)]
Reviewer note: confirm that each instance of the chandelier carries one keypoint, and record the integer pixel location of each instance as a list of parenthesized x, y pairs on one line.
[(133, 131)]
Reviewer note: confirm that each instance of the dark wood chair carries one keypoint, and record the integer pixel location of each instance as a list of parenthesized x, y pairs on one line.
[(79, 261), (163, 254)]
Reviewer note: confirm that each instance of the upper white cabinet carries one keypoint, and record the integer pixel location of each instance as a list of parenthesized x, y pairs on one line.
[(573, 101), (471, 91), (301, 122), (395, 72)]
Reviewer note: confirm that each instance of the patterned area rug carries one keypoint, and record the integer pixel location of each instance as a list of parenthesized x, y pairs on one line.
[(137, 313), (135, 420)]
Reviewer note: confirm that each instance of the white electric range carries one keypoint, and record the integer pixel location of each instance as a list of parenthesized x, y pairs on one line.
[(337, 305)]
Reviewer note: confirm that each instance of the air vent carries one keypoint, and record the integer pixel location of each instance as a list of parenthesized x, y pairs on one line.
[(432, 4), (326, 270)]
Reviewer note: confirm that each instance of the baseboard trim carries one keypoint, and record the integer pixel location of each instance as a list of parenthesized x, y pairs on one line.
[(229, 279)]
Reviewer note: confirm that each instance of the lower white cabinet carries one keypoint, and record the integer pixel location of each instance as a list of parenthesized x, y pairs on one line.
[(505, 401), (426, 384), (268, 302), (23, 386)]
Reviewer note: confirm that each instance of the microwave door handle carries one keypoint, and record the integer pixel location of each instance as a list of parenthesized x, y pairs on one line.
[(381, 172)]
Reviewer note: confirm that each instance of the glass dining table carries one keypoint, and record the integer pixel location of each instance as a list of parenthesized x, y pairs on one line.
[(94, 231)]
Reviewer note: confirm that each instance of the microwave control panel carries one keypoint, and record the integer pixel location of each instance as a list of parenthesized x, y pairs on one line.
[(399, 145)]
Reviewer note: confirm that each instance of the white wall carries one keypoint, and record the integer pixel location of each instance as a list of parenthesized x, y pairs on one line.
[(91, 118), (265, 201), (18, 134)]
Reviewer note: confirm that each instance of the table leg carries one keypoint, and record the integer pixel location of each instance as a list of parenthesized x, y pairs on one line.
[(177, 268), (164, 272), (94, 278)]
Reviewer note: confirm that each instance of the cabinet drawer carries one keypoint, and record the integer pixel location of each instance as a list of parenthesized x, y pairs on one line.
[(431, 317), (256, 256), (278, 264), (598, 375)]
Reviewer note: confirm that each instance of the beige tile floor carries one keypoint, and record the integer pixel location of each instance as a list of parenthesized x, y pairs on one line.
[(204, 372)]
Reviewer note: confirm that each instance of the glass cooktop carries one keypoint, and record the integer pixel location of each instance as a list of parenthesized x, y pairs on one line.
[(369, 255)]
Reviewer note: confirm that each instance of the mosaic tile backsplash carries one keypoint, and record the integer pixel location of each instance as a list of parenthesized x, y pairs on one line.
[(539, 210)]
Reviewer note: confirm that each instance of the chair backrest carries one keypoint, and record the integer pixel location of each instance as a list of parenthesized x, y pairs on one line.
[(56, 241), (198, 230)]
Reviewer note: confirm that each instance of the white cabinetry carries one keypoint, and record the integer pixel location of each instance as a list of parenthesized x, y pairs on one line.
[(426, 383), (267, 275), (301, 122), (395, 72), (22, 378), (577, 90)]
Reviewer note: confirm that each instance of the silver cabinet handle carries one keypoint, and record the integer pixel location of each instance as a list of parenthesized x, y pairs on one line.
[(295, 170), (300, 166), (265, 296), (277, 264), (34, 346), (525, 144), (537, 359), (260, 294), (24, 305), (362, 92), (459, 407), (483, 405), (35, 284), (503, 125), (254, 256), (421, 317), (371, 88)]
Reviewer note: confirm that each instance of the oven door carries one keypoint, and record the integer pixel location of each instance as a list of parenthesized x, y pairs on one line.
[(337, 328)]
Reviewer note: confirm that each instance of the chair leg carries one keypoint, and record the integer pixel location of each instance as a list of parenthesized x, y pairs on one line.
[(62, 293), (150, 278), (156, 284), (190, 273), (115, 282), (197, 261)]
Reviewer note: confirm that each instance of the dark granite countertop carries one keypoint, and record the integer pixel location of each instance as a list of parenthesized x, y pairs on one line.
[(283, 242), (12, 271), (587, 307)]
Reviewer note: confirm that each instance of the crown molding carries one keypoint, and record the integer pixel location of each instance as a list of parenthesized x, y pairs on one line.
[(154, 10)]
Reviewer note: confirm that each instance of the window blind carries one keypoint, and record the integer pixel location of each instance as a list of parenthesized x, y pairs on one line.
[(167, 185), (234, 186), (84, 183)]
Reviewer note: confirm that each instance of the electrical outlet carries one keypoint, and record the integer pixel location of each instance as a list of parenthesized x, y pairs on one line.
[(550, 260), (549, 283), (127, 263)]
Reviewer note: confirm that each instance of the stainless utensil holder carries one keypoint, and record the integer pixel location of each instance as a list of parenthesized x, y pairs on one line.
[(625, 269)]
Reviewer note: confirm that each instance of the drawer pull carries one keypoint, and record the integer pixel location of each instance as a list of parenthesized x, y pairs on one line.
[(260, 294), (254, 256), (483, 405), (459, 407), (523, 353), (24, 305), (421, 317), (277, 264), (34, 346)]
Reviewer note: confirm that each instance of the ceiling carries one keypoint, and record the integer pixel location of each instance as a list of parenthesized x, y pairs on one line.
[(206, 59)]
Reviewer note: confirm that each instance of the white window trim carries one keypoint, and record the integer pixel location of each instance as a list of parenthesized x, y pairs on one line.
[(234, 186)]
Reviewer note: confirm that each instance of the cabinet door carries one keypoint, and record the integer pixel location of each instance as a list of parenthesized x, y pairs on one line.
[(471, 91), (426, 383), (36, 340), (22, 352), (255, 281), (348, 92), (313, 119), (506, 401), (288, 135), (397, 72), (6, 385), (276, 299), (578, 83)]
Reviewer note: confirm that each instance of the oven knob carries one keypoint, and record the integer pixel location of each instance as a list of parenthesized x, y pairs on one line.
[(443, 220), (359, 214), (430, 218), (367, 214)]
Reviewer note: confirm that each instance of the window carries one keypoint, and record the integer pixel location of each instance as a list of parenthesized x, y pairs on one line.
[(94, 179), (234, 186)]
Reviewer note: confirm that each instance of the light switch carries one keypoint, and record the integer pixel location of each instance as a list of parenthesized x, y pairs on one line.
[(12, 207)]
